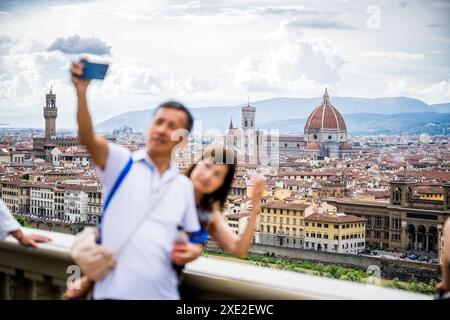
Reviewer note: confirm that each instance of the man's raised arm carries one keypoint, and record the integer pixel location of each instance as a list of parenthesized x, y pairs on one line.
[(97, 145)]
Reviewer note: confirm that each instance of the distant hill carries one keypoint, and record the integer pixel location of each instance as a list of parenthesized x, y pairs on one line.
[(441, 107), (283, 109), (369, 123)]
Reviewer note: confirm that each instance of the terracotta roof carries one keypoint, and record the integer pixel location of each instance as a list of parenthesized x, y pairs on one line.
[(295, 183), (238, 215), (429, 189), (305, 173), (345, 146), (326, 217), (312, 146), (286, 206)]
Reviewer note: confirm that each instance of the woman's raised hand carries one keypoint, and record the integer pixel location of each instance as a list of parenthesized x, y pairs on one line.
[(259, 184)]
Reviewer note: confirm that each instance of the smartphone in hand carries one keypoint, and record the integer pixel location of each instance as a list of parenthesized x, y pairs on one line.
[(93, 70)]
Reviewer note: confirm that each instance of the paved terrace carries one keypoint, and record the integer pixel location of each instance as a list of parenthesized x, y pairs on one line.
[(27, 273)]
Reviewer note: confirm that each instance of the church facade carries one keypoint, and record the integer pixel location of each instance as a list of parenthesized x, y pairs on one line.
[(325, 135)]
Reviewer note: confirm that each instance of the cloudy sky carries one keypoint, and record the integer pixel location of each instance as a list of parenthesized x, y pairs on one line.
[(219, 52)]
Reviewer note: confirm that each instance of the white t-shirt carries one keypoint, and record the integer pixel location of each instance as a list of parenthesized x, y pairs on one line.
[(7, 221), (144, 268)]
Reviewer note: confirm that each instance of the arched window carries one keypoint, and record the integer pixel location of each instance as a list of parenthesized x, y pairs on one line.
[(409, 194), (397, 194)]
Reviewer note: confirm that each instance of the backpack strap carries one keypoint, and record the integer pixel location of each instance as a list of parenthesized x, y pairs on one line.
[(111, 194)]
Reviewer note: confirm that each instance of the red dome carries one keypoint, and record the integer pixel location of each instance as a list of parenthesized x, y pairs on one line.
[(325, 116)]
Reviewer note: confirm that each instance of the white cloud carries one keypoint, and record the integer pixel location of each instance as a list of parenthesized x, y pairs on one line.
[(324, 22), (28, 76), (116, 9), (442, 4), (10, 46), (76, 44), (222, 53), (225, 17), (397, 56), (434, 93), (293, 64)]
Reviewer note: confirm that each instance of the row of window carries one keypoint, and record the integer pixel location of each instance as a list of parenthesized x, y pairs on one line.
[(379, 221), (11, 201), (336, 226), (282, 220), (274, 229), (10, 186), (335, 237), (377, 234), (324, 246), (10, 193), (41, 203), (283, 211), (94, 210), (42, 212), (396, 237), (305, 177), (42, 195)]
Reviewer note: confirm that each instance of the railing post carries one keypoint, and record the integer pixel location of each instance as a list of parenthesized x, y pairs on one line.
[(21, 288), (43, 287), (4, 286)]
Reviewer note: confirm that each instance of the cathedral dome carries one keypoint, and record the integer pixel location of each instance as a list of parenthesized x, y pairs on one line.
[(325, 116)]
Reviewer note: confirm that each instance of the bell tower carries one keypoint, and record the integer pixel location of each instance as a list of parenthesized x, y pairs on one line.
[(50, 114), (249, 133), (248, 117)]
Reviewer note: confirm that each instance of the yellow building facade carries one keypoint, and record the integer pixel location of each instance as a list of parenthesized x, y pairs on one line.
[(287, 217), (334, 232)]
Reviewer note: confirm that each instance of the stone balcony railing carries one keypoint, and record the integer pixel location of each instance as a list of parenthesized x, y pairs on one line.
[(42, 273)]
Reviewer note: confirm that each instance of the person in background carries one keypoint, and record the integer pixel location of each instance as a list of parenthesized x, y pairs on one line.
[(212, 177), (9, 225)]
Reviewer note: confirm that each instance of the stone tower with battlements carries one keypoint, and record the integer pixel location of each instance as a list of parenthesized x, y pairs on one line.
[(50, 115)]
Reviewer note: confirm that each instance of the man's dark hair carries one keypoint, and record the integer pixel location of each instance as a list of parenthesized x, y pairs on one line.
[(177, 106)]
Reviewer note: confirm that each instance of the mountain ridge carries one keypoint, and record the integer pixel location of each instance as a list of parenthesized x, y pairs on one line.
[(279, 109)]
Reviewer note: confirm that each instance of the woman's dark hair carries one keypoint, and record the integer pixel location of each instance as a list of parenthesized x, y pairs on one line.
[(217, 155)]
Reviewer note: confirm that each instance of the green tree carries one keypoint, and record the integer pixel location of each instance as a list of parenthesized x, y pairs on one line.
[(23, 222)]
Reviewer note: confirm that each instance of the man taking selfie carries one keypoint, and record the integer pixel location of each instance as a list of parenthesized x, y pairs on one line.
[(145, 201)]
